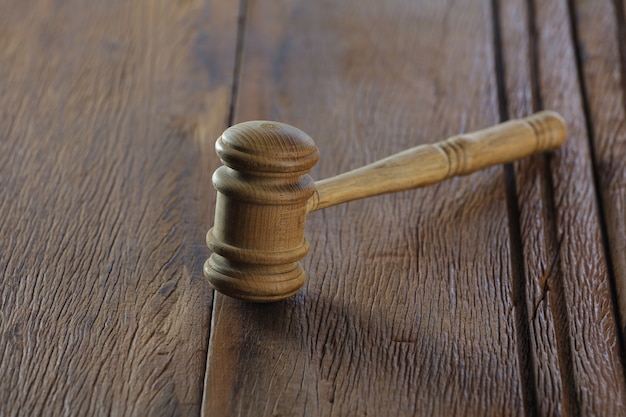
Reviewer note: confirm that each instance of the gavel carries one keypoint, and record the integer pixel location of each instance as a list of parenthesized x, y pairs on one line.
[(264, 192)]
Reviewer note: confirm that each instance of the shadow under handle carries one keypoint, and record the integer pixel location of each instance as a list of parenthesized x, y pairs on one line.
[(458, 155)]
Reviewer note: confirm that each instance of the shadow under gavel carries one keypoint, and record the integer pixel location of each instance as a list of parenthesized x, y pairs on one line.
[(264, 192)]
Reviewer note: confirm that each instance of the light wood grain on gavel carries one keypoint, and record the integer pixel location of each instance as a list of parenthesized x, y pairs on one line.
[(264, 192)]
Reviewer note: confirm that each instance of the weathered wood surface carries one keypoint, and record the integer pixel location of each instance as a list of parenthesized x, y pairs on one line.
[(357, 319), (494, 294), (104, 111), (403, 312), (601, 31), (575, 346)]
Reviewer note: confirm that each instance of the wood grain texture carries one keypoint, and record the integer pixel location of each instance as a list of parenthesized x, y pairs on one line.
[(574, 333), (403, 313), (459, 155), (483, 295), (263, 187), (536, 220), (602, 41), (104, 169), (593, 335)]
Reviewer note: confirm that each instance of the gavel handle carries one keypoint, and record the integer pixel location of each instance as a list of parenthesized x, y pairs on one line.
[(458, 155)]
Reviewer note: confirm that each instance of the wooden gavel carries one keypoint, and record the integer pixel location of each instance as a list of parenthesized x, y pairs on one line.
[(264, 192)]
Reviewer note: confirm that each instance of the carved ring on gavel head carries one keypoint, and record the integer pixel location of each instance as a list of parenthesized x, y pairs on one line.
[(264, 192)]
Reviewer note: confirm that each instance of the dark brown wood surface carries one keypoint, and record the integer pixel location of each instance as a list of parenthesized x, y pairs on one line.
[(499, 293), (105, 111), (575, 346), (601, 31)]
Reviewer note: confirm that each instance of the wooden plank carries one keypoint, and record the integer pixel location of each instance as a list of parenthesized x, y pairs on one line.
[(602, 39), (408, 306), (575, 345), (105, 179), (535, 217)]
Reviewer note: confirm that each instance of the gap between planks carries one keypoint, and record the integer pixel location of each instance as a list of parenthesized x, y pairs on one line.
[(558, 302), (241, 30), (518, 273)]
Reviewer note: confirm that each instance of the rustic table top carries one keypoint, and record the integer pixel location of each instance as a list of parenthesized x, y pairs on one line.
[(498, 293)]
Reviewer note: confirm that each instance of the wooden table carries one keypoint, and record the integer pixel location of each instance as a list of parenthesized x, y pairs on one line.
[(499, 293)]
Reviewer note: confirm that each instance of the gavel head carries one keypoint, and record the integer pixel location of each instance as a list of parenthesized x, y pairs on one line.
[(258, 238)]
